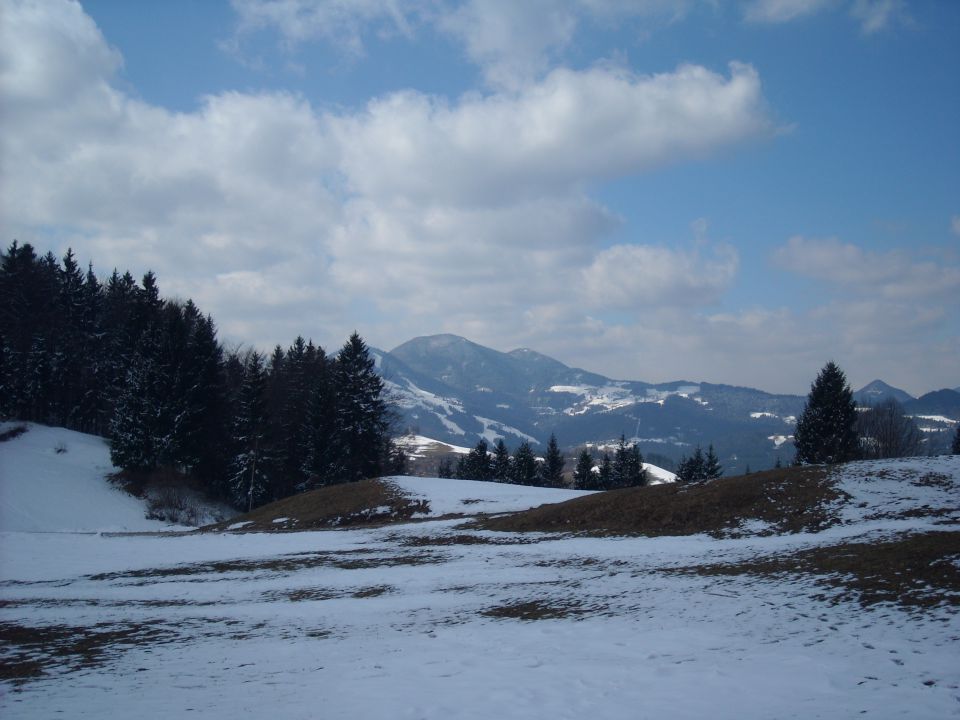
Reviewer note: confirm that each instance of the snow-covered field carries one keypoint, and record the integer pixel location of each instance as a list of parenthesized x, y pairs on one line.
[(431, 620)]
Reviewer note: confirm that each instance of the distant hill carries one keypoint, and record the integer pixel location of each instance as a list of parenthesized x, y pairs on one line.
[(456, 391), (877, 391)]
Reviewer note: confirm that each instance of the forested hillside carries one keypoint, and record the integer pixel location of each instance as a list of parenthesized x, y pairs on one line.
[(115, 358)]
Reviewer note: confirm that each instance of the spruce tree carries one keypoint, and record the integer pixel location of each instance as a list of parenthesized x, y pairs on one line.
[(551, 470), (711, 465), (477, 464), (605, 475), (249, 470), (584, 478), (692, 469), (825, 432), (955, 449), (362, 413), (523, 468), (501, 461)]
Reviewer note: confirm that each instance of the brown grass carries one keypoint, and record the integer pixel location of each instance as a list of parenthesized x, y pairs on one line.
[(29, 652), (789, 499), (368, 502), (918, 570)]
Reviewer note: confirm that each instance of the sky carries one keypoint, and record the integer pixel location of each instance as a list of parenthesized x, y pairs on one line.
[(722, 191)]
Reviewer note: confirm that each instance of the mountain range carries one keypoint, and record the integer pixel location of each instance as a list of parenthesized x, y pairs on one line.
[(451, 389)]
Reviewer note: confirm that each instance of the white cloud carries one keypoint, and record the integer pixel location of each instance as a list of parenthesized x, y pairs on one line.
[(571, 128), (893, 275), (877, 15), (779, 11), (873, 15), (343, 23), (414, 214), (642, 276)]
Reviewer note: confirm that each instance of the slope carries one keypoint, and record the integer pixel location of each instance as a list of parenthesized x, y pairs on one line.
[(54, 480)]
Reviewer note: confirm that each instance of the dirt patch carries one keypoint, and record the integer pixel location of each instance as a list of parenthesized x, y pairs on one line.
[(12, 433), (536, 610), (786, 500), (920, 571), (367, 502), (344, 560), (463, 539), (29, 652)]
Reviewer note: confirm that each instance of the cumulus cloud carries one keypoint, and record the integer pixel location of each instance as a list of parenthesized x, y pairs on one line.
[(779, 11), (643, 276), (415, 212), (873, 15), (892, 275), (343, 23)]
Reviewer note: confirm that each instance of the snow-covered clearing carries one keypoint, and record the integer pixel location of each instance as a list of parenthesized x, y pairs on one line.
[(435, 620)]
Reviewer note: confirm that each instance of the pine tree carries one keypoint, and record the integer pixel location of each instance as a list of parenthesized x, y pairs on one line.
[(362, 414), (712, 469), (249, 470), (825, 431), (476, 464), (692, 469), (551, 470), (605, 475), (523, 468), (501, 461), (445, 468), (584, 478), (955, 449)]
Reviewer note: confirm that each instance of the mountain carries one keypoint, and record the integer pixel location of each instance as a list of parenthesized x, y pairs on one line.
[(451, 389), (877, 391), (944, 403)]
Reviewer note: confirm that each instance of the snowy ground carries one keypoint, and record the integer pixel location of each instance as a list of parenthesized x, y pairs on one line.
[(430, 620)]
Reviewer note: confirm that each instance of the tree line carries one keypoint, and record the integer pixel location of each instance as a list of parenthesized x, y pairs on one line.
[(833, 430), (114, 358), (523, 467)]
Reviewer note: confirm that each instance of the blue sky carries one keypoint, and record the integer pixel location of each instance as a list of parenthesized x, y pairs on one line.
[(729, 192)]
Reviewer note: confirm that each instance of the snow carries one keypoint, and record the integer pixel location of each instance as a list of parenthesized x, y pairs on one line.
[(54, 480), (779, 440), (380, 623), (757, 415), (449, 496), (491, 428), (657, 475), (418, 445), (936, 418)]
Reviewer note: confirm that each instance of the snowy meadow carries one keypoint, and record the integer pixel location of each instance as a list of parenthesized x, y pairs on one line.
[(438, 618)]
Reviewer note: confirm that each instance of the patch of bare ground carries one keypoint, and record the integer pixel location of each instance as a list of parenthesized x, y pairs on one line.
[(463, 539), (344, 560), (367, 502), (786, 500), (918, 571), (12, 433), (543, 609), (29, 652)]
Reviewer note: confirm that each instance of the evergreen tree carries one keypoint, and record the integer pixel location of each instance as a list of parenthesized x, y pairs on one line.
[(477, 464), (523, 468), (249, 469), (584, 478), (551, 470), (711, 465), (692, 469), (445, 468), (627, 466), (501, 461), (362, 417), (955, 449), (605, 475), (322, 463), (825, 431)]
